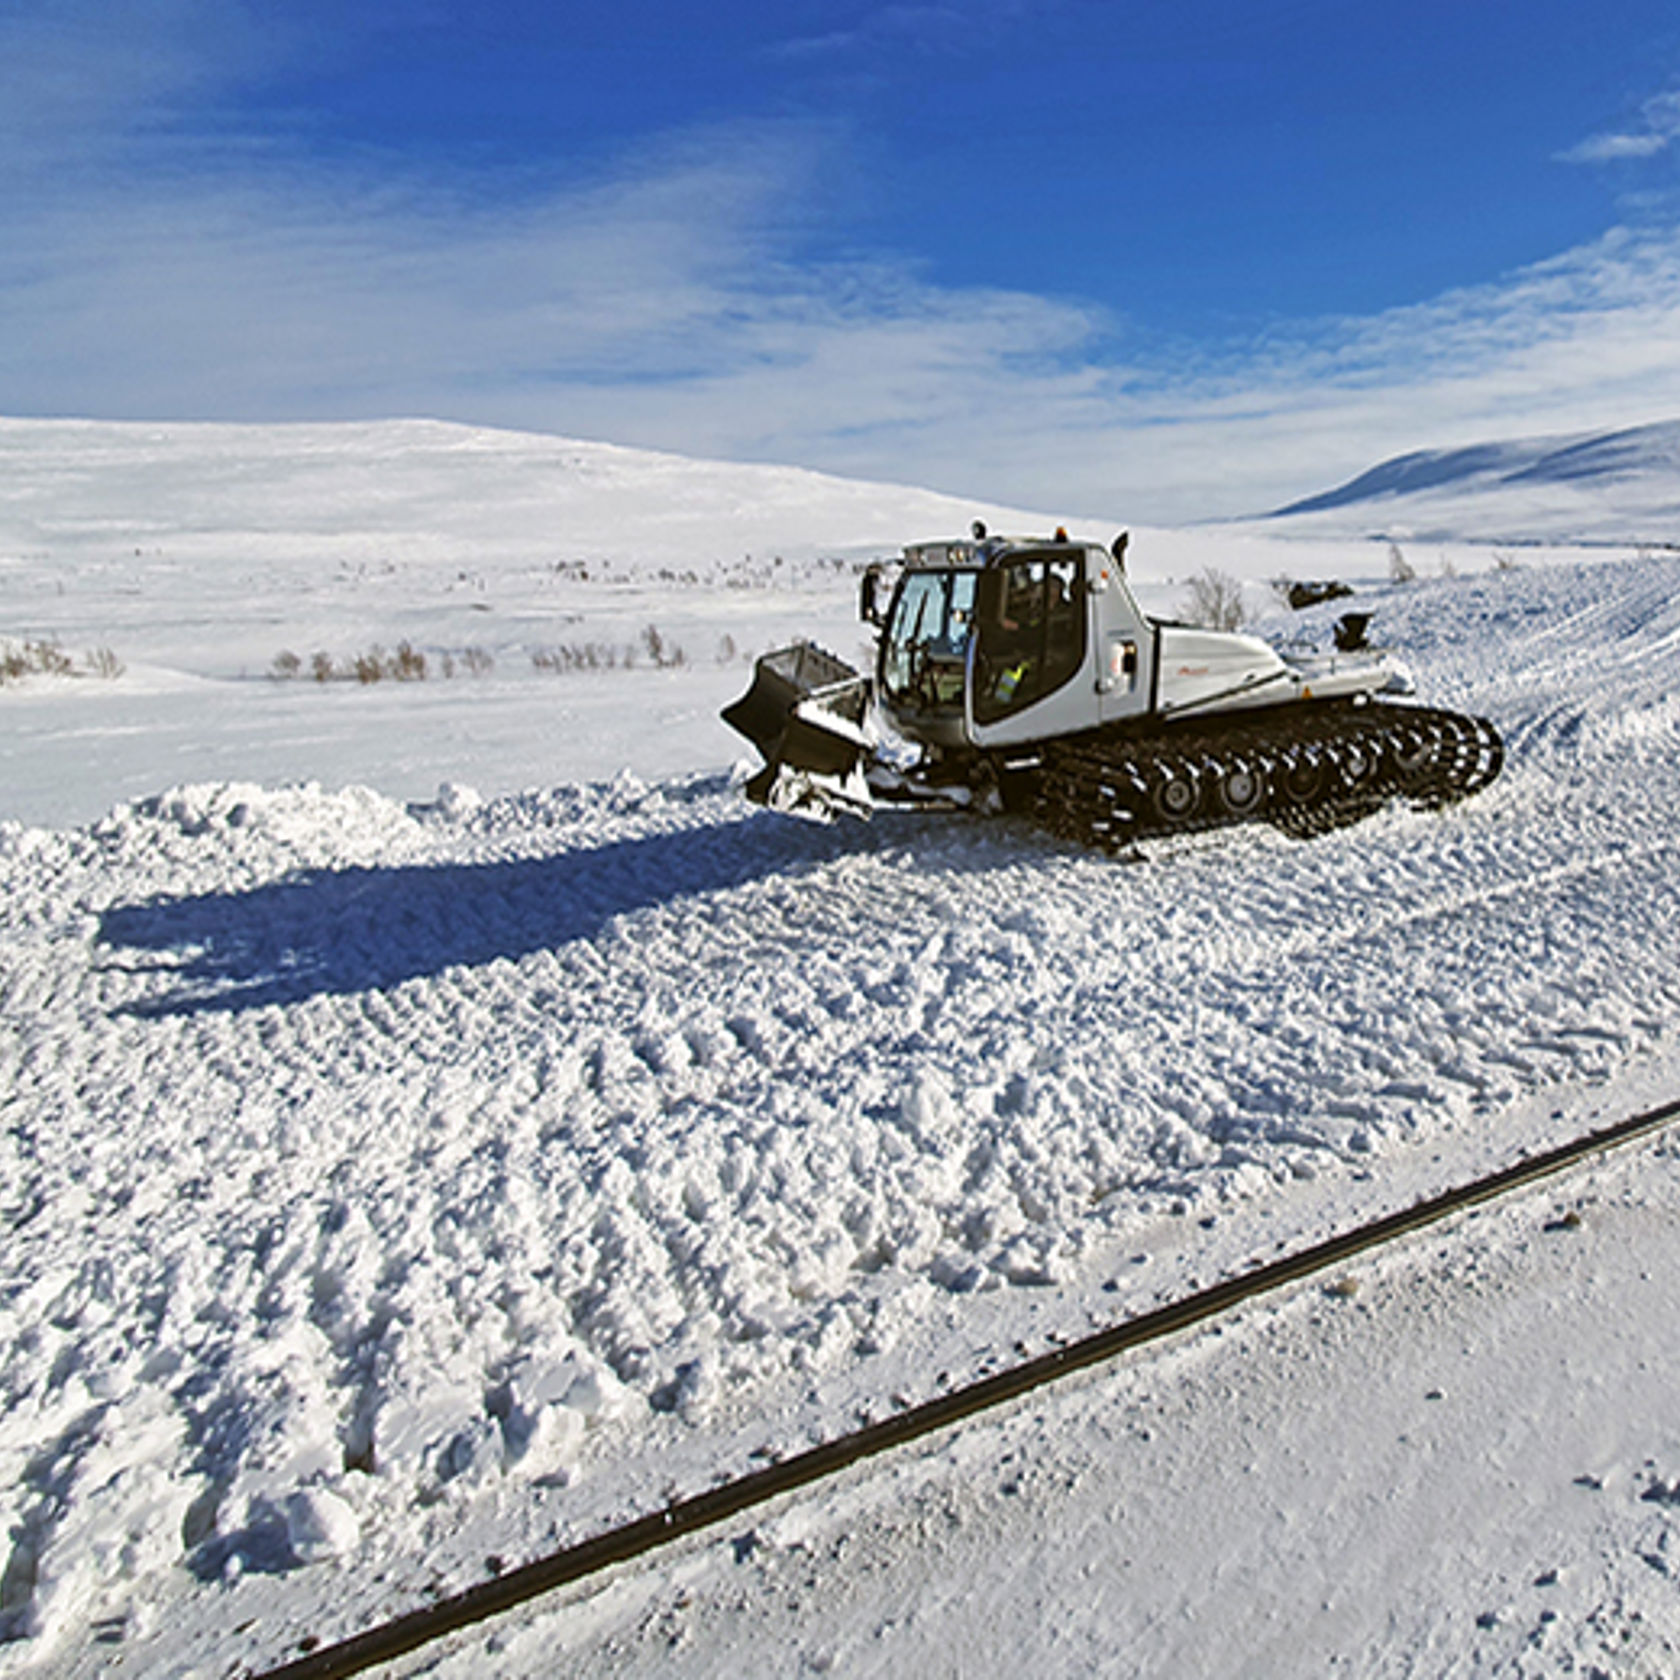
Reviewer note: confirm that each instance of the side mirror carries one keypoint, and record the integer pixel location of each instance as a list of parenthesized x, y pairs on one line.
[(869, 597)]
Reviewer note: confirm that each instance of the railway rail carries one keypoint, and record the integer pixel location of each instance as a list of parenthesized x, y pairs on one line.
[(412, 1631)]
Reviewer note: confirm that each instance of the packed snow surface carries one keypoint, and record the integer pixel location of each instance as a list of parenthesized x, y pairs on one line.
[(392, 1184)]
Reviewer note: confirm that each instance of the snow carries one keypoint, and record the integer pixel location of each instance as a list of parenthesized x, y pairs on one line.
[(1593, 487), (199, 555), (404, 1167), (1385, 1511)]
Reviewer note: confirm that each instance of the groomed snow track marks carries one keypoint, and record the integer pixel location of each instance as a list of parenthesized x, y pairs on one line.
[(475, 1158), (694, 1515)]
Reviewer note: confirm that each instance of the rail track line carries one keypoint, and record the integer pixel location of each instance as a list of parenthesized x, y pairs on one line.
[(410, 1632)]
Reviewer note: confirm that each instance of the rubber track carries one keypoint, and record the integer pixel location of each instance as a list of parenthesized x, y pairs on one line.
[(410, 1632), (1306, 772)]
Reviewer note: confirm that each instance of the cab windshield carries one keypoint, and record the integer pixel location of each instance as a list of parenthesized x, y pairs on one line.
[(925, 649)]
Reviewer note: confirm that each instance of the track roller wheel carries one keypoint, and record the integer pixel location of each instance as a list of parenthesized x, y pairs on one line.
[(1240, 790), (1176, 793), (1302, 777), (1357, 763), (1413, 752)]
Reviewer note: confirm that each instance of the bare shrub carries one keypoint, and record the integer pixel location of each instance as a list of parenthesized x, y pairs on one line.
[(559, 659), (727, 653), (477, 661), (653, 646), (42, 658), (1214, 600), (1400, 569), (34, 659), (1504, 561), (407, 664), (665, 655)]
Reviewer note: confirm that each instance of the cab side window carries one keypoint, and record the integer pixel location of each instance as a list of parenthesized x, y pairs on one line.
[(1032, 634)]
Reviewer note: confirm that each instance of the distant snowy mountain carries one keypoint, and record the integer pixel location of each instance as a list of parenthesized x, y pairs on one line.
[(1617, 487)]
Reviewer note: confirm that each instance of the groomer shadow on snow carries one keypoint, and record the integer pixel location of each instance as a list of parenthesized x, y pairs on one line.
[(346, 931)]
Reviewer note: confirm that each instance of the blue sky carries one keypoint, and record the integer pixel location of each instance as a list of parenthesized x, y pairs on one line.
[(1147, 260)]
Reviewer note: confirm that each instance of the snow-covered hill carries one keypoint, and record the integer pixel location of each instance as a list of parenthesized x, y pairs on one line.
[(208, 560), (430, 492), (1604, 487)]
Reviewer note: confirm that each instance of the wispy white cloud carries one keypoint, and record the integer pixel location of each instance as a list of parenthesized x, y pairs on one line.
[(1656, 130), (79, 74), (953, 25), (670, 303), (1608, 148), (1588, 340), (1035, 400)]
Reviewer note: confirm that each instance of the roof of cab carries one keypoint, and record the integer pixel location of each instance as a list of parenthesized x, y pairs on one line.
[(986, 551)]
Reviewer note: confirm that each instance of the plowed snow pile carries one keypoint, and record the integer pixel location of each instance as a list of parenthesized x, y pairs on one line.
[(377, 1178)]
